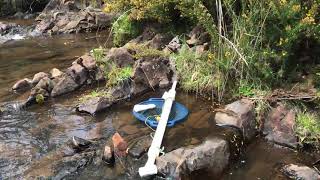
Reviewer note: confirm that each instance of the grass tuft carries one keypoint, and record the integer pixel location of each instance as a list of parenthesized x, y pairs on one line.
[(118, 75), (308, 128)]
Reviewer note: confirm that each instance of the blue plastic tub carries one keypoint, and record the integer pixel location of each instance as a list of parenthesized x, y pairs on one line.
[(178, 113)]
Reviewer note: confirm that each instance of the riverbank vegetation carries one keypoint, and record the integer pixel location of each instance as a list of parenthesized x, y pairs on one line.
[(255, 47)]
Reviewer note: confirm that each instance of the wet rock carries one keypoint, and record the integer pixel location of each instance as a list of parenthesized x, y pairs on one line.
[(108, 155), (64, 84), (86, 61), (120, 56), (174, 45), (80, 143), (78, 73), (94, 105), (159, 41), (140, 147), (44, 26), (278, 126), (293, 171), (239, 114), (121, 91), (213, 154), (56, 73), (37, 77), (120, 145), (22, 84), (149, 72)]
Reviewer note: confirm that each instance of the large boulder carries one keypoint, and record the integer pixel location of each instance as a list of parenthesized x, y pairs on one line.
[(151, 73), (94, 105), (55, 73), (198, 36), (64, 84), (300, 172), (239, 114), (278, 126), (212, 155), (120, 56), (44, 87)]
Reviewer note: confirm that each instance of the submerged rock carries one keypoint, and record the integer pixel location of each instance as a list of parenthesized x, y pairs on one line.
[(80, 143), (22, 84), (212, 155), (239, 114), (300, 172), (278, 126), (140, 147)]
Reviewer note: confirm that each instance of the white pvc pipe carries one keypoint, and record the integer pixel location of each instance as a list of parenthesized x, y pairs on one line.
[(150, 168)]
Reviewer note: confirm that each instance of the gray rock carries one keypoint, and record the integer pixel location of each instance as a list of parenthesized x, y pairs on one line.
[(22, 84), (37, 77), (278, 126), (213, 155), (150, 71), (159, 41), (44, 87), (78, 73), (86, 61), (55, 73), (140, 147), (293, 171), (120, 56), (174, 45), (80, 143), (108, 155), (198, 36), (99, 75), (94, 105), (121, 91), (239, 114), (64, 84)]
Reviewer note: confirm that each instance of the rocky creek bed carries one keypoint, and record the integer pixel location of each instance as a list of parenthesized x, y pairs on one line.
[(68, 139)]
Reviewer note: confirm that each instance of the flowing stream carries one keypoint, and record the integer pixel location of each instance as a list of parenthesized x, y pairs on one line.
[(27, 136)]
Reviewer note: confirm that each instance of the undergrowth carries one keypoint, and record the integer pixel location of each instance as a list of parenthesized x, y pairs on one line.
[(308, 128)]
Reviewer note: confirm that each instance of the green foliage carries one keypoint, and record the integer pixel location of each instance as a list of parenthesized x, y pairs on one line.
[(118, 75), (98, 54), (143, 51), (39, 98), (124, 29), (308, 128), (196, 74), (93, 94)]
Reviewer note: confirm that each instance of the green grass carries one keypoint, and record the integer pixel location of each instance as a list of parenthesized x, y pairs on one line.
[(118, 75), (143, 51), (196, 73), (124, 29), (308, 128), (93, 94), (98, 54)]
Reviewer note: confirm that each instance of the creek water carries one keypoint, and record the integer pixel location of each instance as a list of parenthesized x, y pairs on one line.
[(27, 136)]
